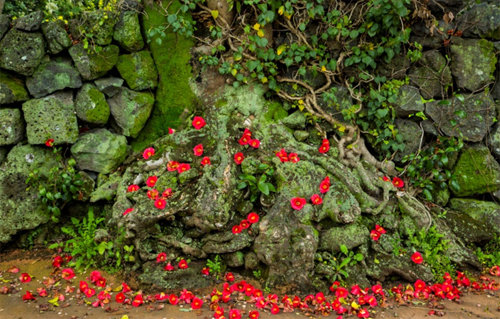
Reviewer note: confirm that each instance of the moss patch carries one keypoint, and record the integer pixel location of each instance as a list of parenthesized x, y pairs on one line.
[(174, 95)]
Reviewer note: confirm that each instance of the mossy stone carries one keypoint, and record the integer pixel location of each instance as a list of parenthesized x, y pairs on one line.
[(57, 37), (236, 259), (476, 172), (53, 75), (101, 24), (481, 20), (297, 120), (21, 51), (109, 86), (128, 31), (432, 76), (100, 151), (352, 235), (409, 101), (93, 65), (51, 117), (411, 135), (4, 24), (11, 126), (131, 110), (30, 22), (301, 135), (139, 70), (494, 140), (91, 105), (472, 63), (11, 89), (482, 211)]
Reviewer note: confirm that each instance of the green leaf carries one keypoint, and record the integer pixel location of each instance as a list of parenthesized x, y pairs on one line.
[(343, 249), (381, 113)]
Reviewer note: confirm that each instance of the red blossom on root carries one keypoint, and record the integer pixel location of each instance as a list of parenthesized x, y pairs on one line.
[(198, 122), (297, 203)]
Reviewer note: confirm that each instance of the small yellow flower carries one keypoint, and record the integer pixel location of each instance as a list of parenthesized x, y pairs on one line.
[(264, 80), (323, 68), (256, 27), (281, 10), (260, 33)]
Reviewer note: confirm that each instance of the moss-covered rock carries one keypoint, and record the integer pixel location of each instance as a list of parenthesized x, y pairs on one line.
[(411, 135), (476, 172), (4, 24), (91, 105), (128, 31), (227, 242), (494, 141), (138, 69), (93, 65), (470, 117), (409, 101), (432, 76), (56, 36), (131, 110), (469, 229), (482, 20), (191, 278), (11, 126), (109, 86), (53, 75), (101, 24), (174, 98), (21, 51), (11, 89), (483, 212), (472, 63), (30, 22), (100, 151), (352, 236), (51, 117), (21, 208), (106, 187), (296, 120)]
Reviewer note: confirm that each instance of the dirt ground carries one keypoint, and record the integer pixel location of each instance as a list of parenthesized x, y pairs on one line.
[(482, 305)]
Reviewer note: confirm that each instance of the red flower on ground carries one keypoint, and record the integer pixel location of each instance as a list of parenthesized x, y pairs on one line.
[(244, 139), (184, 167), (198, 150), (196, 303), (127, 211), (375, 235), (238, 158), (68, 274), (255, 143), (89, 292), (386, 179), (161, 296), (25, 278), (83, 285), (171, 130), (28, 296), (234, 314), (49, 142), (398, 182), (183, 264), (205, 161), (420, 284), (198, 122), (152, 194), (236, 229), (219, 312), (205, 271), (341, 292), (253, 218), (229, 277), (316, 199), (380, 229), (132, 188), (101, 282), (125, 287), (293, 157), (417, 258), (151, 181), (42, 292), (495, 271), (275, 309), (363, 313), (167, 193), (168, 267), (377, 289), (57, 261), (172, 166), (324, 186), (244, 224), (283, 156), (138, 300), (161, 258), (120, 297), (298, 203), (148, 152), (160, 203), (173, 299), (254, 314)]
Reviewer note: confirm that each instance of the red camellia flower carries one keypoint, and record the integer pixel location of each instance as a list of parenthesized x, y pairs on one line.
[(398, 182), (89, 292), (172, 166), (25, 278), (161, 258), (293, 157), (132, 188), (138, 300), (196, 303), (120, 297), (236, 229), (255, 143), (253, 218), (316, 199), (58, 260), (380, 229), (254, 314), (417, 258), (83, 286), (101, 282), (324, 186), (205, 271), (171, 130), (152, 194), (325, 146), (283, 156), (234, 314), (198, 122), (148, 152), (28, 296), (386, 179), (183, 264), (151, 181), (341, 292), (298, 203), (167, 193), (244, 224), (198, 150), (375, 235), (168, 267), (184, 167), (49, 142), (420, 284), (42, 292), (161, 296), (377, 289), (173, 299), (127, 211), (68, 274), (238, 158), (229, 277), (275, 309), (495, 271), (125, 287), (160, 203), (244, 139), (363, 313), (205, 161)]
